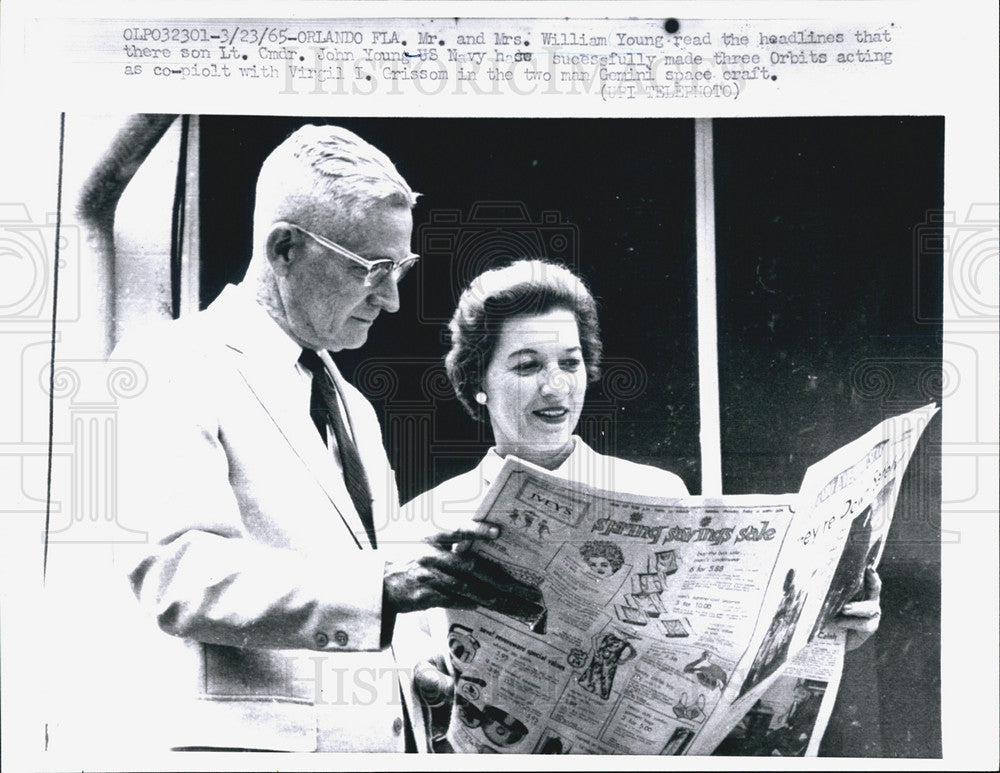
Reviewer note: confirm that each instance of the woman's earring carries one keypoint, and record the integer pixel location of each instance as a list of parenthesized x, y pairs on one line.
[(481, 398)]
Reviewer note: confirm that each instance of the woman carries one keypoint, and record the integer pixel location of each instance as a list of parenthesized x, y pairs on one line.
[(525, 343)]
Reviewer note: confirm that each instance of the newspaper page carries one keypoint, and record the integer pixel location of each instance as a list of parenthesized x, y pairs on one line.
[(661, 620), (848, 501), (73, 74), (789, 719), (647, 605)]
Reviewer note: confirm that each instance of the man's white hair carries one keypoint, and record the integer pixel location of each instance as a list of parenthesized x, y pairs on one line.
[(325, 178)]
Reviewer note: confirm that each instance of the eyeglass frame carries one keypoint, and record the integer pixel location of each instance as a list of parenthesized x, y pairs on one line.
[(398, 271)]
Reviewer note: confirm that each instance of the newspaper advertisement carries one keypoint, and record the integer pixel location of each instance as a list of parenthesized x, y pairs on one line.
[(646, 606), (662, 622)]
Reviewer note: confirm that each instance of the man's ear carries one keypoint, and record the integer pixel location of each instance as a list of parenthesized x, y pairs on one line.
[(279, 244)]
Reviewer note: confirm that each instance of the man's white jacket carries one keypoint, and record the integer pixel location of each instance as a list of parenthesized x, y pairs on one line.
[(256, 567)]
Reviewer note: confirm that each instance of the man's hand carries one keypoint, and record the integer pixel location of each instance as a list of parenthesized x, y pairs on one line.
[(860, 619), (444, 573)]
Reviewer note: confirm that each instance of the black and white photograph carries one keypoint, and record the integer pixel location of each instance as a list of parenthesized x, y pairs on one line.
[(272, 357), (814, 268)]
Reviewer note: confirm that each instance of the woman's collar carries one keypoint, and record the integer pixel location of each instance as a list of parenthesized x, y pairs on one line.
[(492, 462)]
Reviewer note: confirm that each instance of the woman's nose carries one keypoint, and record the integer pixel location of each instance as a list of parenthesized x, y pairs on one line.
[(555, 381)]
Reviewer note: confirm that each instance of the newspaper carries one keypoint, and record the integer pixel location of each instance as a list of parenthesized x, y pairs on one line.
[(664, 622)]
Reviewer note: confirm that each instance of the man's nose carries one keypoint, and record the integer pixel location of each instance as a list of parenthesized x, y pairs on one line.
[(385, 295)]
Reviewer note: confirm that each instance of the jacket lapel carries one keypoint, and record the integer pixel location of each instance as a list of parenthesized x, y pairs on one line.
[(275, 389)]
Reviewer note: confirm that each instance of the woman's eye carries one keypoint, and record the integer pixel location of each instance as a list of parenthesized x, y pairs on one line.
[(526, 367), (571, 364)]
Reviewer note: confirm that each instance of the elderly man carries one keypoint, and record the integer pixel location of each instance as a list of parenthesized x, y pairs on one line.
[(259, 475)]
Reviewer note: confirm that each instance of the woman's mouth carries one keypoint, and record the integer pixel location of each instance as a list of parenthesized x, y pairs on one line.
[(551, 415)]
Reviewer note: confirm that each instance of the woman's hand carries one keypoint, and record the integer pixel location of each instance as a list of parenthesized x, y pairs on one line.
[(436, 688), (860, 619), (437, 691)]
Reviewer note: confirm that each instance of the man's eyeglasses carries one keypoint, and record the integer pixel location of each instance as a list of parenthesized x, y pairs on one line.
[(377, 269)]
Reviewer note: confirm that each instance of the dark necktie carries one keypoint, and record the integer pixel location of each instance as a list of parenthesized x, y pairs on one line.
[(324, 408)]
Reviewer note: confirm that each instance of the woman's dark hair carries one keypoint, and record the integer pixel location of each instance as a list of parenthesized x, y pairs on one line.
[(527, 287)]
